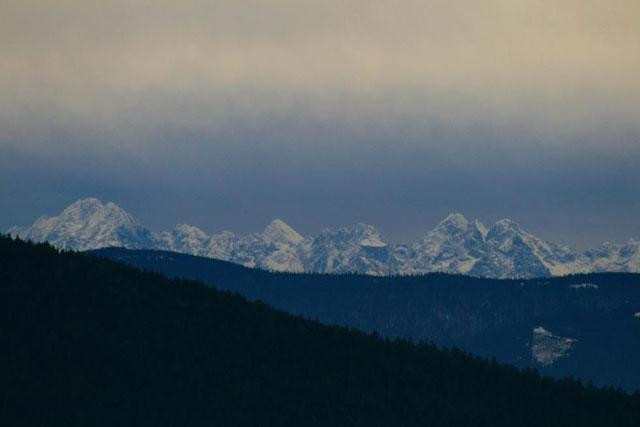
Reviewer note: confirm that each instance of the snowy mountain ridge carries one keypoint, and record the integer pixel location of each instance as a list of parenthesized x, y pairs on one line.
[(455, 245), (88, 224)]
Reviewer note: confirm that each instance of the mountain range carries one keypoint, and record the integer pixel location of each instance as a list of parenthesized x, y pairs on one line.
[(456, 245)]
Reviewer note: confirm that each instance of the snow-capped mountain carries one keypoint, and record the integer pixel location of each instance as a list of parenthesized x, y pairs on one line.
[(357, 248), (221, 245), (513, 252), (613, 257), (88, 224), (185, 238), (277, 248), (455, 245)]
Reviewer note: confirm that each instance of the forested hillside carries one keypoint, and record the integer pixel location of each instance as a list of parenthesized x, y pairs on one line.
[(88, 341), (582, 325)]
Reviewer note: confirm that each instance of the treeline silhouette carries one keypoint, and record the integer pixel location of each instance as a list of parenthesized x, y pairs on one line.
[(89, 341)]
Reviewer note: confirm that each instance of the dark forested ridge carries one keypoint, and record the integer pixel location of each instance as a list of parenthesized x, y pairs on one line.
[(87, 341), (492, 318)]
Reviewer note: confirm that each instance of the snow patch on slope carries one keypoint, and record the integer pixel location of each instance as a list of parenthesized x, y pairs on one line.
[(547, 348)]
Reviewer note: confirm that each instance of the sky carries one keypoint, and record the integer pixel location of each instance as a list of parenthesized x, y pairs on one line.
[(227, 114)]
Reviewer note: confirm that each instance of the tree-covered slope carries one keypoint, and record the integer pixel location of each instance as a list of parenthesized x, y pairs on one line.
[(87, 341), (582, 325)]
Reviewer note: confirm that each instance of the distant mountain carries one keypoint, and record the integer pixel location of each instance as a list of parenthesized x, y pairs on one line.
[(88, 224), (276, 249), (357, 248), (456, 245), (512, 252), (612, 257), (186, 239)]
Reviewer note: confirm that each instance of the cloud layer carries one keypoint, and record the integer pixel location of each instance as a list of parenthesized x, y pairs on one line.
[(565, 64), (387, 108)]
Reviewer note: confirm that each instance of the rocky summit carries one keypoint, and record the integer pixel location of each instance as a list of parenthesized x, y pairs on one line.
[(456, 245)]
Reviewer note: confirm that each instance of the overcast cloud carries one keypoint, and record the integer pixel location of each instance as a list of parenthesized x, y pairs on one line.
[(226, 113)]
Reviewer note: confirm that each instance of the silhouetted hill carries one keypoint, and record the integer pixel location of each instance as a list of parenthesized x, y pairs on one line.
[(581, 325), (87, 341)]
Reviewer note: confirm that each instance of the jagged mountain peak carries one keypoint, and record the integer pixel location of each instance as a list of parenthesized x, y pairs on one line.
[(354, 248), (184, 238), (86, 203), (358, 233), (81, 209), (369, 236), (89, 224), (454, 220), (94, 212), (455, 245), (280, 232), (456, 225), (505, 225), (508, 231)]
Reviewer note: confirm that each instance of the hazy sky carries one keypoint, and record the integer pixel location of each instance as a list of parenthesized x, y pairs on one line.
[(226, 114)]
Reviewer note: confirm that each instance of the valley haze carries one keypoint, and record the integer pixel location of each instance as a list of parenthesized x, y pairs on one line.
[(456, 245)]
